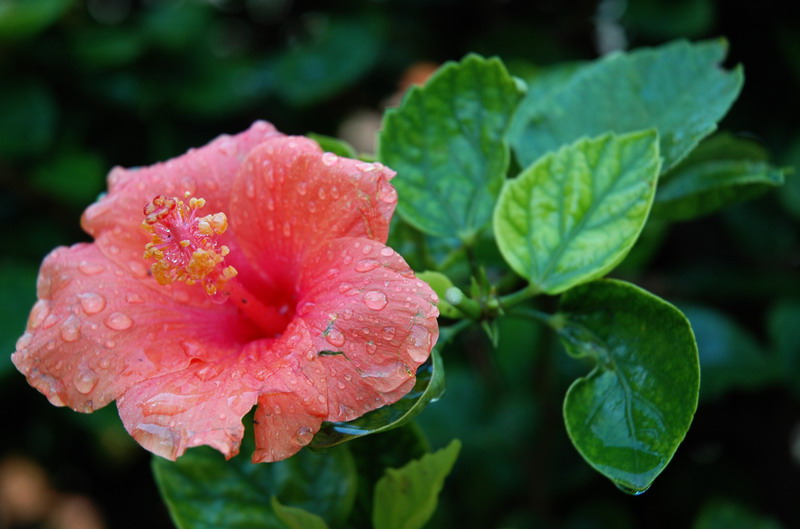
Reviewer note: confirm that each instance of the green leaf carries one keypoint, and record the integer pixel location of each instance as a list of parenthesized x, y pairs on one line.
[(630, 413), (405, 498), (574, 215), (730, 358), (784, 331), (203, 491), (73, 176), (27, 118), (295, 518), (23, 18), (17, 296), (447, 142), (440, 283), (722, 170), (678, 88), (428, 388), (337, 52), (726, 514), (334, 145)]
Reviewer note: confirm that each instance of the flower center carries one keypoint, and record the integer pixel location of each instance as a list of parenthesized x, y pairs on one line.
[(186, 248)]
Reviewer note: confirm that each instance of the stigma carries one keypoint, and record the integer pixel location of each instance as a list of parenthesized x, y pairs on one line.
[(185, 246)]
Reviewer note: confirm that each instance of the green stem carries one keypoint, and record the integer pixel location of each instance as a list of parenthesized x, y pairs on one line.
[(515, 298), (526, 313), (468, 306)]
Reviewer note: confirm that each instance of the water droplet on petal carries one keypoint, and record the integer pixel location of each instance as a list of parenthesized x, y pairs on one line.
[(89, 268), (387, 252), (119, 321), (92, 303), (347, 314), (39, 312), (85, 379), (329, 158), (375, 299), (388, 333), (287, 229), (302, 188), (303, 435), (71, 329), (371, 347), (138, 268), (365, 265), (419, 343), (24, 341), (335, 337), (134, 298), (105, 363)]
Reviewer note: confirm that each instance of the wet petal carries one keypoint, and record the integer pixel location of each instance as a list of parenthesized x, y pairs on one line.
[(208, 172), (290, 196), (95, 331), (371, 320)]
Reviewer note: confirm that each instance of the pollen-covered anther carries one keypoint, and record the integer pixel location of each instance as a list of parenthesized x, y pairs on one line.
[(184, 246)]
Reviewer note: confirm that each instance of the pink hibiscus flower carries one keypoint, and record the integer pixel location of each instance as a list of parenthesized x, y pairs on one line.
[(252, 271)]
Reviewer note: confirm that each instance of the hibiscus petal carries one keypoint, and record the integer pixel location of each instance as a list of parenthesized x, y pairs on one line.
[(290, 196), (371, 320), (208, 172), (204, 403), (95, 331)]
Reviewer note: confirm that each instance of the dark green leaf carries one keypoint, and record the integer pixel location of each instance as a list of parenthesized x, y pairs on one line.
[(678, 88), (202, 490), (295, 518), (27, 118), (428, 388), (783, 324), (723, 169), (731, 515), (572, 216), (447, 143), (17, 295), (405, 498), (628, 416), (74, 177), (730, 358), (334, 145), (337, 53), (23, 18)]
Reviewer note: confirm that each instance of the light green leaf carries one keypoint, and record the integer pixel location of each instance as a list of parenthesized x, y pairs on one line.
[(428, 388), (203, 491), (295, 518), (726, 514), (723, 169), (572, 216), (630, 413), (334, 145), (406, 498), (678, 88), (440, 283), (447, 142)]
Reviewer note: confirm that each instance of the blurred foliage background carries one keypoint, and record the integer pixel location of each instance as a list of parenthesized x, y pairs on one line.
[(88, 85)]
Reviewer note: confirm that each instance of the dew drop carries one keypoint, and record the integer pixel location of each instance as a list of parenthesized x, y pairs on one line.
[(92, 303), (388, 332), (39, 312), (114, 250), (371, 347), (287, 229), (366, 249), (340, 384), (347, 314), (375, 299), (335, 337), (70, 329), (302, 188), (49, 321), (365, 265), (105, 363), (88, 268), (133, 298), (387, 252), (365, 167), (110, 344), (329, 158), (24, 341), (250, 190), (303, 435), (419, 343), (138, 268), (118, 321), (85, 379)]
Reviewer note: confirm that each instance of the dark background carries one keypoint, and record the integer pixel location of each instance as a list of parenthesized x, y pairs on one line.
[(88, 85)]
